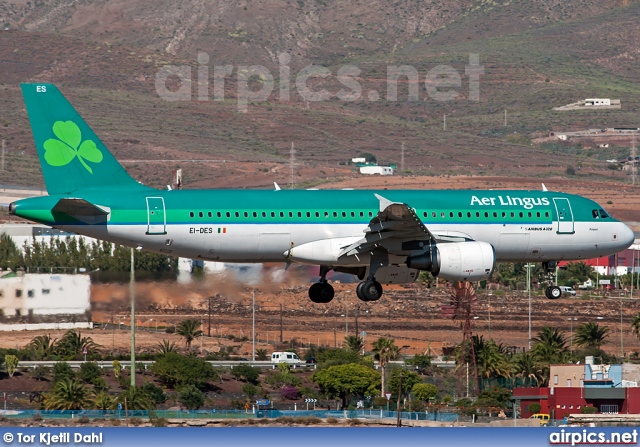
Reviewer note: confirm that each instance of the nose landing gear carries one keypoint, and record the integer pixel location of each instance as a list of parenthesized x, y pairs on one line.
[(552, 291)]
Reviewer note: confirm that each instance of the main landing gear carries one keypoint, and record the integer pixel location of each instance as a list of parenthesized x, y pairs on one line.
[(552, 292), (321, 292), (369, 290)]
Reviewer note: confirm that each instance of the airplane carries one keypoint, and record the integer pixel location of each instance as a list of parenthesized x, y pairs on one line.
[(382, 237)]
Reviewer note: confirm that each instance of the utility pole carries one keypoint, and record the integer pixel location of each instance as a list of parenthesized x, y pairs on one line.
[(444, 122), (281, 324), (505, 117), (402, 160), (292, 160), (132, 295), (634, 162), (3, 146), (253, 326), (209, 318)]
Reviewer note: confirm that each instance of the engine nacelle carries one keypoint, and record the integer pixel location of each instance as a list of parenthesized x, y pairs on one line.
[(457, 261)]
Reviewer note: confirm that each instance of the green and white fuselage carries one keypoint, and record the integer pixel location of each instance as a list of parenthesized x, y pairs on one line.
[(262, 226), (384, 236)]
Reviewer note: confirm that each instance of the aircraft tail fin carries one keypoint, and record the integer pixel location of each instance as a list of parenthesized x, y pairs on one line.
[(71, 155)]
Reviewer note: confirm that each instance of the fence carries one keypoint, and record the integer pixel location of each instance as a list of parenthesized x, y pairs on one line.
[(228, 414)]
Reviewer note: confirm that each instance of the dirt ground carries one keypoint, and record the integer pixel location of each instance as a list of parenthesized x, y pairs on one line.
[(412, 316)]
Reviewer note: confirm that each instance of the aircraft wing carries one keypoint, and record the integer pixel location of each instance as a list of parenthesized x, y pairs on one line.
[(396, 228)]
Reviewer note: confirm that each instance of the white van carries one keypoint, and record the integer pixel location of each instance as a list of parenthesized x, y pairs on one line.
[(285, 357), (568, 290)]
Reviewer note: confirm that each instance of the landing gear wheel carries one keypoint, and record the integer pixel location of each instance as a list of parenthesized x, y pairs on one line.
[(321, 292), (369, 290), (553, 292)]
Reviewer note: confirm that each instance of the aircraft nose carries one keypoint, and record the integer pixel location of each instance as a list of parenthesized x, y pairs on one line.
[(626, 236)]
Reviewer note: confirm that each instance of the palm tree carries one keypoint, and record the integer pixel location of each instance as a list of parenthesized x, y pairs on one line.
[(491, 358), (635, 325), (166, 346), (526, 366), (68, 394), (136, 399), (73, 343), (591, 335), (103, 401), (189, 329), (42, 346), (550, 345), (354, 343), (385, 351)]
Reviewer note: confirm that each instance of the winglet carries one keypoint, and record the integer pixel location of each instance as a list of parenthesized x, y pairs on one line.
[(384, 203), (276, 186), (544, 188)]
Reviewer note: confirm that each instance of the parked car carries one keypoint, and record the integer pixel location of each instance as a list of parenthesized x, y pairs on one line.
[(568, 290), (285, 357), (311, 361), (543, 417)]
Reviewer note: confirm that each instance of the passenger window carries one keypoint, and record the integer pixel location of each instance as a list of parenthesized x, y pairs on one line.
[(513, 214), (459, 213), (326, 214), (281, 213), (335, 214), (486, 214), (433, 214), (442, 214), (370, 214), (504, 214), (495, 214), (264, 214), (521, 214), (344, 214), (246, 214), (273, 214), (477, 214), (200, 214), (529, 214), (237, 214), (210, 214), (317, 214), (308, 214), (300, 214), (468, 214), (361, 214), (353, 214), (219, 214), (255, 214), (546, 214), (603, 214), (424, 214), (594, 213), (191, 214), (538, 214), (450, 213), (228, 214), (290, 213)]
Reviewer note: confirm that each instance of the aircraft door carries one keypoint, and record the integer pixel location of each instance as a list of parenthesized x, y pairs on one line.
[(565, 216), (156, 216)]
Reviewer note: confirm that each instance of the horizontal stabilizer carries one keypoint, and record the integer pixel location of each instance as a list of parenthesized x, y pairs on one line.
[(82, 210)]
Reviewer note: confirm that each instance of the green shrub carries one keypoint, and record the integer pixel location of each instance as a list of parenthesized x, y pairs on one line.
[(589, 410)]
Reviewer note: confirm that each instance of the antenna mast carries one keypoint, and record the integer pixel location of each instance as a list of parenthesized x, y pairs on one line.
[(634, 162), (292, 162)]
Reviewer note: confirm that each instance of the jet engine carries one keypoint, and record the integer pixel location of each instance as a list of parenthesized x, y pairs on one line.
[(457, 261)]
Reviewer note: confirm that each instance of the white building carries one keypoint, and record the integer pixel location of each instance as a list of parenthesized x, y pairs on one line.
[(34, 301), (589, 102), (381, 170)]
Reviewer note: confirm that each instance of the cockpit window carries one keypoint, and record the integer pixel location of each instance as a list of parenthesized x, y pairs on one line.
[(603, 214), (594, 213)]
